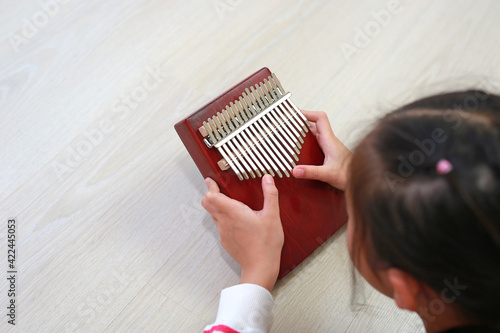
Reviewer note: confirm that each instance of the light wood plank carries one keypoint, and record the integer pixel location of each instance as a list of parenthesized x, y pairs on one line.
[(118, 241)]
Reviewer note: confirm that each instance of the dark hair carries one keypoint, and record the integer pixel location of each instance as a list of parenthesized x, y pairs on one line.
[(443, 229)]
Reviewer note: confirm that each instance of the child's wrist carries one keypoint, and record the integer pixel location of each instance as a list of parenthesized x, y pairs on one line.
[(264, 276), (345, 170)]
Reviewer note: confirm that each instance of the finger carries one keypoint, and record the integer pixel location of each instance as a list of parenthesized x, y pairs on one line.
[(323, 130), (212, 185), (313, 128), (218, 204), (271, 202), (310, 115), (316, 172), (209, 198), (314, 116), (323, 126)]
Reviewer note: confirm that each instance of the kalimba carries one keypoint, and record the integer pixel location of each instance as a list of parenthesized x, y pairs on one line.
[(255, 129)]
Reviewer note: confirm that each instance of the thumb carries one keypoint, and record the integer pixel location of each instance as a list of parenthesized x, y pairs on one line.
[(317, 172), (271, 203), (211, 185), (209, 200)]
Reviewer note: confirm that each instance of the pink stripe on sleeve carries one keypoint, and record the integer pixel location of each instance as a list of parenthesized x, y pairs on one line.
[(221, 328)]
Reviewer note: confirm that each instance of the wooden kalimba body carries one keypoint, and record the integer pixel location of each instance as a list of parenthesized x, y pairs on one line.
[(255, 129)]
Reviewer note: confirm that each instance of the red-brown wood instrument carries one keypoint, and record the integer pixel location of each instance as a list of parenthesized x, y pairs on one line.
[(253, 129)]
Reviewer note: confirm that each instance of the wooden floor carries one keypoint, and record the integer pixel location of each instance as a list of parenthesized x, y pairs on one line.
[(111, 236)]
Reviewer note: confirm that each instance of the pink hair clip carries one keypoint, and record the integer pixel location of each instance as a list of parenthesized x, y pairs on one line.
[(443, 166)]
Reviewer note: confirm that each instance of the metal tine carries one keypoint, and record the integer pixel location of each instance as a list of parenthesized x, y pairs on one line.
[(262, 95), (209, 131), (300, 113), (292, 119), (270, 99), (279, 135), (269, 151), (242, 110), (245, 153), (257, 138), (244, 103), (274, 144), (235, 160), (230, 162), (237, 112), (270, 89), (249, 102), (220, 127), (251, 157), (287, 134), (252, 101), (283, 156), (278, 92), (212, 124), (236, 121), (255, 104), (224, 123), (229, 120), (240, 155), (257, 97), (296, 136), (296, 114), (244, 138), (266, 91), (239, 116), (261, 152), (278, 84)]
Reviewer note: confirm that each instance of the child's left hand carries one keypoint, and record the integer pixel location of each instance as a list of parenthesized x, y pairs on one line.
[(253, 238)]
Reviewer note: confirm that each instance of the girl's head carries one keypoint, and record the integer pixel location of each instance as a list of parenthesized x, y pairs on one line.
[(437, 230)]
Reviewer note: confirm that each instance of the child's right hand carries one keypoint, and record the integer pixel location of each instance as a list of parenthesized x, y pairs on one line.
[(337, 156)]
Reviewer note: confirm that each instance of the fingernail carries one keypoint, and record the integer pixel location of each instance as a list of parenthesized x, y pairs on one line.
[(298, 172), (208, 181), (268, 179)]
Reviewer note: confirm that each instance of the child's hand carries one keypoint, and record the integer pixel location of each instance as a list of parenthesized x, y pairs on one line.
[(253, 238), (334, 169)]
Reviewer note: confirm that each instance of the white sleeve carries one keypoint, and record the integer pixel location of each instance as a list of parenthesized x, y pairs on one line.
[(244, 308)]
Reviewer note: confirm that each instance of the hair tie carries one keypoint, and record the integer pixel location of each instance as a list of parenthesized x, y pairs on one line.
[(443, 166)]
